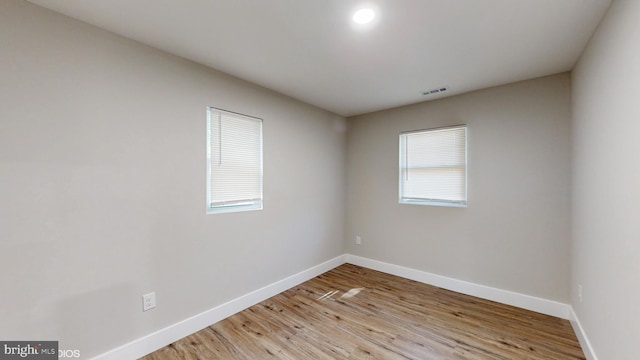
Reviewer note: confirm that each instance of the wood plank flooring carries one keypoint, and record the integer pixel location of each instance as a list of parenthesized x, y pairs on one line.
[(355, 313)]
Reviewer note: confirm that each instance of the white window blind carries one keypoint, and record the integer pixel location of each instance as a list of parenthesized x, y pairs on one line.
[(234, 161), (433, 167)]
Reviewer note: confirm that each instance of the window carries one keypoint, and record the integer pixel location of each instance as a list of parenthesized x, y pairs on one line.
[(234, 162), (433, 167)]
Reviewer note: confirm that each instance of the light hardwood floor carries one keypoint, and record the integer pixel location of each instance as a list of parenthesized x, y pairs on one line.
[(355, 313)]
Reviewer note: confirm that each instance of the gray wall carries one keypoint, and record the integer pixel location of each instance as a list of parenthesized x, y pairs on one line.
[(515, 232), (102, 186), (606, 184)]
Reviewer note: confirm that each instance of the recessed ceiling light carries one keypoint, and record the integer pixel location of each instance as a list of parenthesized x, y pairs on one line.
[(363, 16)]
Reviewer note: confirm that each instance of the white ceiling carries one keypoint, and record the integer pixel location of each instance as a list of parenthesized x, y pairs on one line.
[(311, 51)]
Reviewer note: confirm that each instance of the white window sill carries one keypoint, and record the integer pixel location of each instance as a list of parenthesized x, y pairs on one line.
[(233, 208), (433, 203)]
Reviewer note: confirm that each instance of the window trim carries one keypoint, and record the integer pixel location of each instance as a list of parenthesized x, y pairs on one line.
[(434, 202), (257, 204)]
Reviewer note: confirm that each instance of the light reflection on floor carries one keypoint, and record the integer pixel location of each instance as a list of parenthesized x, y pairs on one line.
[(351, 293)]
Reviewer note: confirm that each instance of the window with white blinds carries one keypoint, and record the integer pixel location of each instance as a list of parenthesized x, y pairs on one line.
[(433, 167), (234, 162)]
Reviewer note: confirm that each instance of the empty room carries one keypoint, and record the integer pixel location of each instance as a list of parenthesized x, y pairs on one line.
[(336, 179)]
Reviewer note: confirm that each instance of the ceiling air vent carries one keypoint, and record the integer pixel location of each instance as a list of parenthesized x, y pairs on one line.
[(434, 91)]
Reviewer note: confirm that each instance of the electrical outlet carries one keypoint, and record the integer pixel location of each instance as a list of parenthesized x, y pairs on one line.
[(148, 301), (358, 240), (580, 293)]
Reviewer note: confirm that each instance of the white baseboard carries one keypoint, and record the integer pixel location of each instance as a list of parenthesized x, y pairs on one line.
[(582, 337), (528, 302), (170, 334)]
